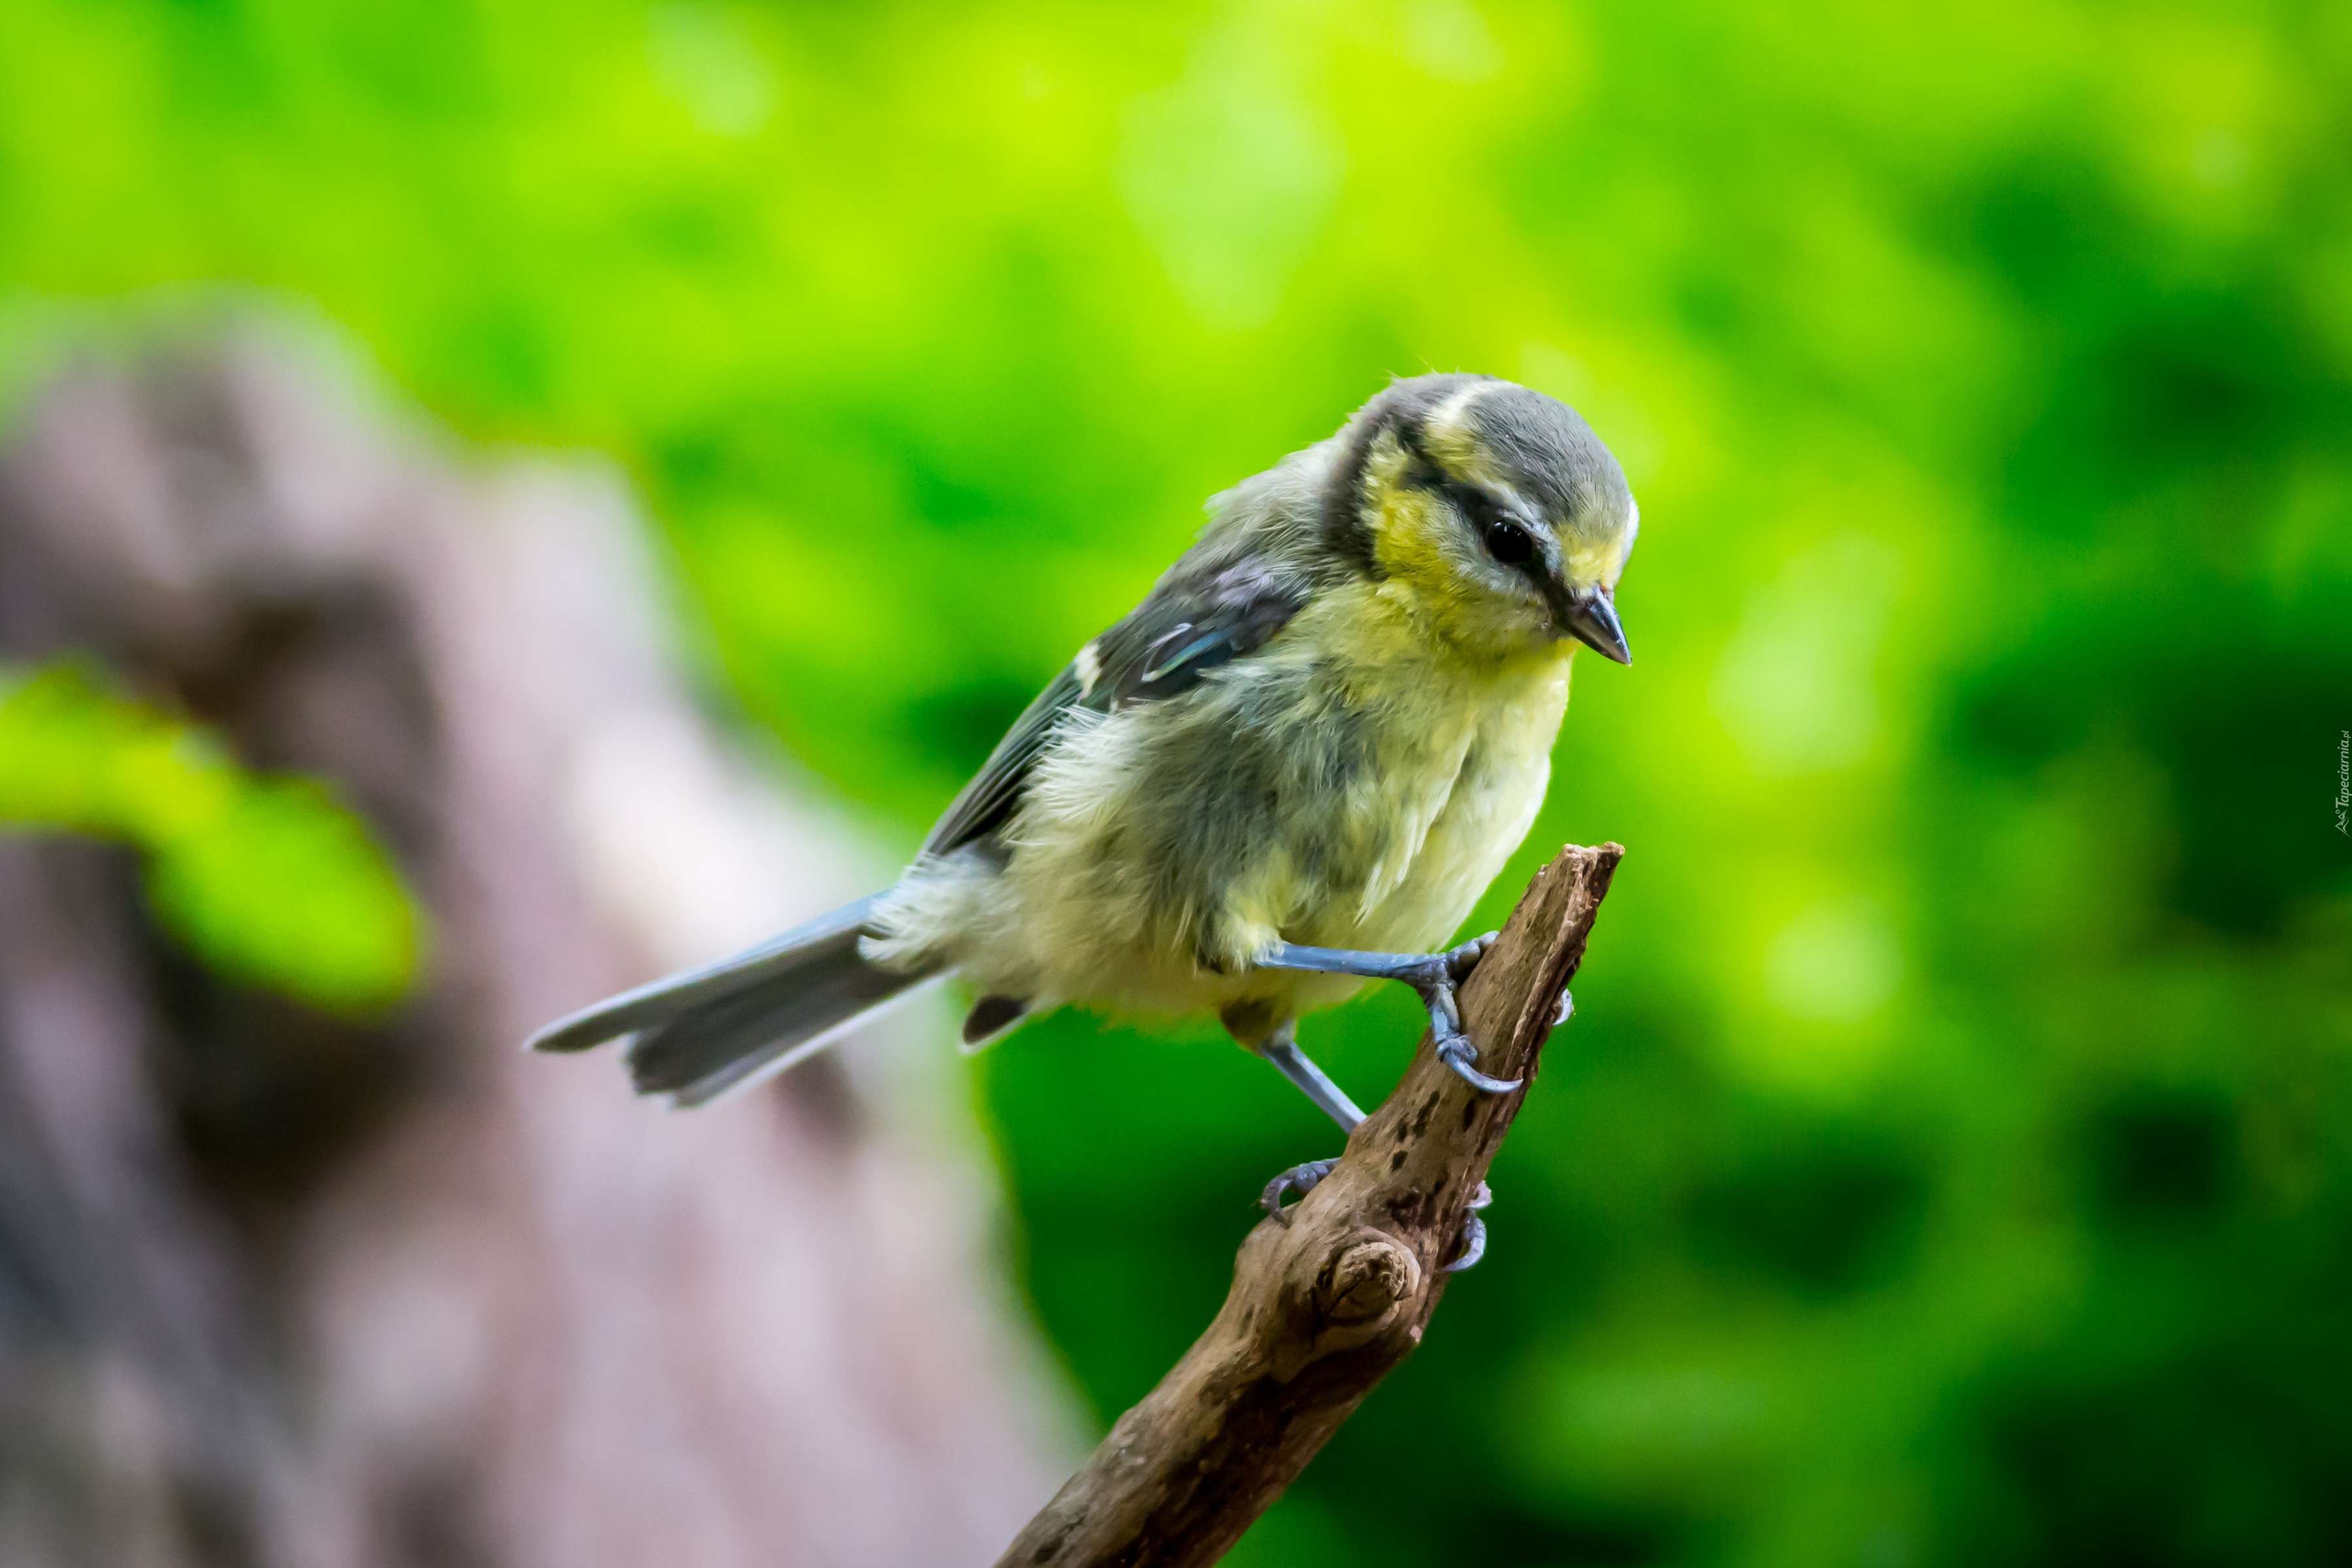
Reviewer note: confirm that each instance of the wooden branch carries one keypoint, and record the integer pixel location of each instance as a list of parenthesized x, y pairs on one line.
[(1330, 1297)]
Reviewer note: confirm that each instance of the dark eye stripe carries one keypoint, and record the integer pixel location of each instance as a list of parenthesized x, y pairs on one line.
[(1505, 540)]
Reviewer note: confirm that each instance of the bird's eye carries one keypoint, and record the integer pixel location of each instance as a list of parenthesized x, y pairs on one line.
[(1506, 541), (1509, 543)]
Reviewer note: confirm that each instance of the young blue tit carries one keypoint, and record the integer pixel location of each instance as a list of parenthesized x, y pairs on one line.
[(1294, 767)]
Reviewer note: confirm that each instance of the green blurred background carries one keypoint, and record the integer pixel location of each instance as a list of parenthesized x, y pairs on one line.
[(1951, 1161)]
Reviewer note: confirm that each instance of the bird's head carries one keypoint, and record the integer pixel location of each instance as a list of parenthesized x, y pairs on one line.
[(1494, 510)]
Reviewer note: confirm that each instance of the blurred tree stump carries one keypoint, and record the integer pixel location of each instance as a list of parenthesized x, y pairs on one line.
[(1330, 1296), (277, 1287)]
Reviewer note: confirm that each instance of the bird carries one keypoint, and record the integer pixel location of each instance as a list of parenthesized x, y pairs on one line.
[(1292, 768)]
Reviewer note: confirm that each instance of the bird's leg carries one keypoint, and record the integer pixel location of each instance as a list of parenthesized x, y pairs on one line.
[(1434, 975), (1281, 1048)]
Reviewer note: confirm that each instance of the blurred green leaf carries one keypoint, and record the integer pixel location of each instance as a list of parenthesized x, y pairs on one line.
[(269, 880)]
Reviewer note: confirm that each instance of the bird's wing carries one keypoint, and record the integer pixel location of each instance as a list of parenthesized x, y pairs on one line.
[(994, 793), (1190, 625)]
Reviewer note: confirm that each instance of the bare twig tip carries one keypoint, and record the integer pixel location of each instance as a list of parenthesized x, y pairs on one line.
[(1332, 1292)]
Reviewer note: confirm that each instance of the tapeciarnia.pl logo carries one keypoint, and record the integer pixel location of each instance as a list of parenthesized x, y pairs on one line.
[(2344, 782)]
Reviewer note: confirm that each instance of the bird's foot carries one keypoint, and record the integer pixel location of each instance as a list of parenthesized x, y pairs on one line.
[(1474, 1233), (1460, 960), (1304, 1179), (1300, 1179), (1439, 991), (1436, 976), (1454, 1049)]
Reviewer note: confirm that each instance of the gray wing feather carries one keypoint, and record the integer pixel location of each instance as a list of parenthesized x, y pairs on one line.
[(994, 793), (1194, 621)]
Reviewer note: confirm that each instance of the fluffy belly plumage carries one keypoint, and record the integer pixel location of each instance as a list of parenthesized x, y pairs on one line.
[(1163, 847)]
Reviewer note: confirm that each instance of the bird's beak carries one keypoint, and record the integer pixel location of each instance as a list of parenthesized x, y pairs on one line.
[(1593, 619)]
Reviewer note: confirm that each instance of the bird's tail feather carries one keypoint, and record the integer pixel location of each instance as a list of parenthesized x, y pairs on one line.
[(698, 1035)]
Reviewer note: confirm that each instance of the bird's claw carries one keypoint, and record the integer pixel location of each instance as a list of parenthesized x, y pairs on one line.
[(1461, 961), (1474, 1233), (1300, 1179), (1454, 1048), (1456, 1051), (1304, 1179)]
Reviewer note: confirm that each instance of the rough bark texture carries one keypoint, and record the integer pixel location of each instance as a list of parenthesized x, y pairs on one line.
[(1329, 1297), (277, 1289)]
